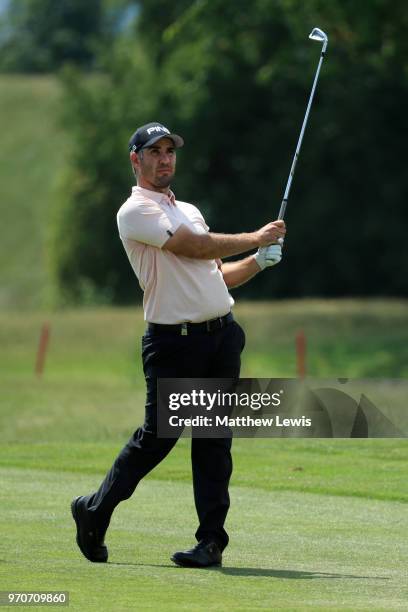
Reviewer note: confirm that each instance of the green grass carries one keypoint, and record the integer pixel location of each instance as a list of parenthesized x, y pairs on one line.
[(370, 469), (292, 551), (32, 153), (356, 338), (314, 524)]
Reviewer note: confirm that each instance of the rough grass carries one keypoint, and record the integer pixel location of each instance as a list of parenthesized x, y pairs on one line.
[(32, 154)]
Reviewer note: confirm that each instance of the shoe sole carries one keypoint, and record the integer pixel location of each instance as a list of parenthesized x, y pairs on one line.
[(78, 541), (195, 565)]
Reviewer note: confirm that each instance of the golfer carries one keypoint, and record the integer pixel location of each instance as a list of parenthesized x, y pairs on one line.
[(191, 333)]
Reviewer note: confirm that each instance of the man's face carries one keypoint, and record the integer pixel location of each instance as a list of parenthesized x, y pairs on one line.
[(157, 164)]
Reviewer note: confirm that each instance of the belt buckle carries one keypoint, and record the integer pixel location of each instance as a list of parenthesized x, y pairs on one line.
[(184, 329), (208, 325)]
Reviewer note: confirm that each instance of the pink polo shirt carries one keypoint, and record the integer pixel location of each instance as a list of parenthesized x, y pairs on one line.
[(176, 288)]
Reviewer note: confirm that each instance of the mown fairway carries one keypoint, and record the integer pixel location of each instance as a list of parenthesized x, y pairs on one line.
[(314, 524)]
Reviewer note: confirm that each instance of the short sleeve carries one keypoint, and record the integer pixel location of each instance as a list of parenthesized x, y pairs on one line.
[(145, 222), (195, 217), (198, 217)]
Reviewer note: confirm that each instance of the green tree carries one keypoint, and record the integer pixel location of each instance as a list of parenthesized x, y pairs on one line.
[(42, 35)]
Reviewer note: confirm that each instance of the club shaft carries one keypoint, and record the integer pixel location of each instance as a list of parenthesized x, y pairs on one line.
[(299, 144)]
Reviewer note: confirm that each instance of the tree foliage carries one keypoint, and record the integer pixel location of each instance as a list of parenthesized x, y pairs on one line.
[(234, 78), (43, 35)]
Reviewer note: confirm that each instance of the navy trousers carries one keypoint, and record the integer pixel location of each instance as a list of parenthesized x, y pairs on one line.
[(213, 354)]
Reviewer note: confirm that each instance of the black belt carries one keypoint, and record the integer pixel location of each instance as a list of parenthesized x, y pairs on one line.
[(184, 329)]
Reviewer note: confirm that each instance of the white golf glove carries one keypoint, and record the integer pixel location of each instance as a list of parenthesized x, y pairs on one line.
[(269, 256)]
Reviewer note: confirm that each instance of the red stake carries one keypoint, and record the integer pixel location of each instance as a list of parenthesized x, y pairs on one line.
[(301, 354), (42, 349)]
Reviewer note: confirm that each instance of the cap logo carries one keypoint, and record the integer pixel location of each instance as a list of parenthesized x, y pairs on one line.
[(158, 128)]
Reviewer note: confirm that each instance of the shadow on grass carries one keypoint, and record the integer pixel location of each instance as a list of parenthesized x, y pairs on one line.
[(289, 574), (259, 571)]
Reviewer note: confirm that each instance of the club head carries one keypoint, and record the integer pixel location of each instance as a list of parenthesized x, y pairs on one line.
[(318, 34)]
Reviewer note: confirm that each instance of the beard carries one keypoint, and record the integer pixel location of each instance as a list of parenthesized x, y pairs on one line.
[(163, 181)]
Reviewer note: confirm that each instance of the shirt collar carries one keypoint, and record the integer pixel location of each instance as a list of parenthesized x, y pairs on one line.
[(160, 198)]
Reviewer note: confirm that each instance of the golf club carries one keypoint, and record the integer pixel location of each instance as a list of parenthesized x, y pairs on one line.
[(319, 35)]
